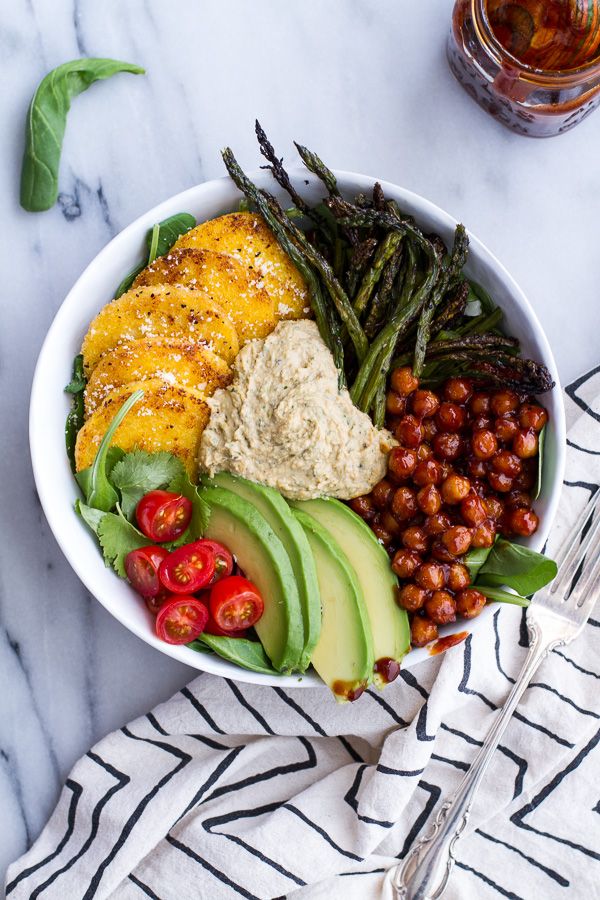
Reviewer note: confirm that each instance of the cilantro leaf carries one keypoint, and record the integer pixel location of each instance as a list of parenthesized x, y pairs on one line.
[(139, 472), (117, 536)]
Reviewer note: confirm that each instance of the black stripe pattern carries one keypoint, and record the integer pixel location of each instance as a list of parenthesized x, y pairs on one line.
[(235, 790)]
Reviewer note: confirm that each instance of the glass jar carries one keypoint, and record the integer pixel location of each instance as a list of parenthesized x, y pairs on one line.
[(529, 99)]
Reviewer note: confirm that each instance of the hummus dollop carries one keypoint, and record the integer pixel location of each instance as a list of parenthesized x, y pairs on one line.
[(285, 423)]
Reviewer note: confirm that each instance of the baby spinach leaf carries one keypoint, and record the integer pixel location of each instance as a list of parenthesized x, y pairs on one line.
[(94, 481), (475, 559), (517, 567), (247, 654), (181, 484), (117, 536), (540, 471), (169, 230), (502, 596), (47, 120), (159, 240), (139, 472), (74, 422)]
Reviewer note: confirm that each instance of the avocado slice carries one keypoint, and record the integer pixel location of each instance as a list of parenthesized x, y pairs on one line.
[(243, 530), (275, 510), (343, 656), (389, 623)]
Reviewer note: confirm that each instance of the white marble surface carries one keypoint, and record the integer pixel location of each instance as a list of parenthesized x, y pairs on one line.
[(365, 83)]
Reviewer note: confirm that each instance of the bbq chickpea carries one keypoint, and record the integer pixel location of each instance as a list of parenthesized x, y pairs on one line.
[(457, 540), (494, 507), (390, 523), (364, 507), (402, 462), (505, 428), (459, 577), (431, 576), (455, 488), (484, 534), (477, 468), (429, 500), (395, 404), (409, 432), (523, 521), (469, 603), (412, 597), (415, 538), (424, 451), (428, 471), (382, 534), (405, 563), (450, 417), (525, 444), (382, 493), (447, 445), (458, 390), (404, 504), (480, 404), (504, 402), (403, 381), (507, 463), (424, 404), (429, 429), (500, 482), (473, 510), (532, 416), (441, 608), (484, 443), (437, 524), (422, 631)]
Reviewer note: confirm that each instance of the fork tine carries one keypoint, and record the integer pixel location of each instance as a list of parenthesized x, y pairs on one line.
[(575, 549), (589, 580)]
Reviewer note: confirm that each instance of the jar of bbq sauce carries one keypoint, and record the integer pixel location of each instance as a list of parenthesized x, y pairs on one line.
[(532, 64)]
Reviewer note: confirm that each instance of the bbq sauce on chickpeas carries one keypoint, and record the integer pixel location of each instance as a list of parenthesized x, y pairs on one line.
[(462, 474)]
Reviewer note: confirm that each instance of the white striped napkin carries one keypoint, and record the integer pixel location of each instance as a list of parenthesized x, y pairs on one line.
[(231, 790)]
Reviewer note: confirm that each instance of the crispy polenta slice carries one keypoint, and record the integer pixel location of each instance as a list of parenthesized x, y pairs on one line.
[(222, 278), (247, 238), (174, 362), (163, 310), (166, 418)]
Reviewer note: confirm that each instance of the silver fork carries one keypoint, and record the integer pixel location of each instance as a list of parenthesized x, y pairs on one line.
[(555, 617)]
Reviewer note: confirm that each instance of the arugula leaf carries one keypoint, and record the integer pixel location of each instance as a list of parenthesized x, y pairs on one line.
[(117, 536), (99, 492), (540, 471), (247, 654), (47, 120), (475, 559), (502, 596), (139, 472), (517, 567), (113, 455), (159, 240), (74, 421)]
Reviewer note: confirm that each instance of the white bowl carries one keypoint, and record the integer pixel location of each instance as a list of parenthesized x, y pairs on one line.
[(49, 404)]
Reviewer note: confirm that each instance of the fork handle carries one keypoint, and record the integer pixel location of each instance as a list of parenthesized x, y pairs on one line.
[(424, 873)]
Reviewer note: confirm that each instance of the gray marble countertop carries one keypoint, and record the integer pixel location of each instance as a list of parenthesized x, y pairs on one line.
[(365, 83)]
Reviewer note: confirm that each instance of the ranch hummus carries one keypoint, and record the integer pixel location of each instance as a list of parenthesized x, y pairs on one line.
[(284, 422)]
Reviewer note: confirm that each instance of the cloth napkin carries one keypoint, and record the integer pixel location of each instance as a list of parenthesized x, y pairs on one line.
[(233, 790)]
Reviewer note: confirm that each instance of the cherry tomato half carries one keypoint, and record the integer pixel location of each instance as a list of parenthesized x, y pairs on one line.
[(181, 619), (153, 604), (142, 567), (163, 516), (235, 603), (223, 560), (188, 568)]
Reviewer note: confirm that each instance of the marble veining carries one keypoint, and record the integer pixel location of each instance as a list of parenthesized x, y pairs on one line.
[(365, 83)]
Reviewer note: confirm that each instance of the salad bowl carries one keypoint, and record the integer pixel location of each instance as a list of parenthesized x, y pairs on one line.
[(49, 406)]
